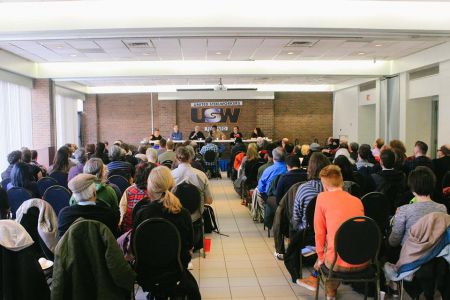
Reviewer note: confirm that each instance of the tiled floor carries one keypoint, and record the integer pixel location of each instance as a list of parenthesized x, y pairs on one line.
[(242, 265)]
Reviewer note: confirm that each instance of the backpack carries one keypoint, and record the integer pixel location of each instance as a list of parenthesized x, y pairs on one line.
[(209, 219)]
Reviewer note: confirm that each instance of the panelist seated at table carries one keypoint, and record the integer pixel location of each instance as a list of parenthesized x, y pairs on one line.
[(196, 134), (155, 136), (236, 133), (216, 134), (176, 135), (257, 132)]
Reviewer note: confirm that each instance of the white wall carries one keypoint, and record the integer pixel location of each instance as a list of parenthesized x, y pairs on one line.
[(366, 124), (418, 122), (345, 113), (444, 104), (424, 87)]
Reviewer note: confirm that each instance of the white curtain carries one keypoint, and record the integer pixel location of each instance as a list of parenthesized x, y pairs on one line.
[(15, 119), (66, 112)]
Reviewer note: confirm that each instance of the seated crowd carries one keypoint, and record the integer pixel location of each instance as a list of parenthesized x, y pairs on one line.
[(114, 190), (339, 180)]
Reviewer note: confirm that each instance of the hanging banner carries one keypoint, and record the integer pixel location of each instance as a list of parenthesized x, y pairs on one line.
[(208, 112)]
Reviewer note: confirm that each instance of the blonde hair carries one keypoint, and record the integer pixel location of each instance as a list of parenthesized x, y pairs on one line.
[(304, 149), (332, 175), (159, 184), (252, 152)]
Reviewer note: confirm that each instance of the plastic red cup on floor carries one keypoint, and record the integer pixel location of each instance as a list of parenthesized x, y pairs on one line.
[(207, 245)]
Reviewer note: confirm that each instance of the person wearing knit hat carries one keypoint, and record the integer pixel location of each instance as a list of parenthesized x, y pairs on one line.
[(84, 191)]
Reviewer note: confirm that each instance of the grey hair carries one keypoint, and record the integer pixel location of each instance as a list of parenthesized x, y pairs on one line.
[(86, 194), (278, 154), (80, 155), (152, 155), (191, 151), (94, 166), (116, 152)]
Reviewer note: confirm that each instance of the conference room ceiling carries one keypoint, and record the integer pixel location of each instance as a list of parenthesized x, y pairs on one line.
[(213, 49)]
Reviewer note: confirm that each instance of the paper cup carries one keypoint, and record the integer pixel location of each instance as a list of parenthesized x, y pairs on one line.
[(207, 245)]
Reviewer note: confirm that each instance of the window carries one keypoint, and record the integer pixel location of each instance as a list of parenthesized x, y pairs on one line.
[(67, 126), (16, 119)]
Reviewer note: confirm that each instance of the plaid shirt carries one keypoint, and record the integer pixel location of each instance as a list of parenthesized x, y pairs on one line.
[(209, 147)]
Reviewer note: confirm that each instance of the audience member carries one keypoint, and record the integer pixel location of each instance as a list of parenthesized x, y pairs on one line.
[(269, 158), (347, 169), (152, 155), (90, 150), (441, 165), (81, 158), (196, 134), (83, 189), (344, 152), (376, 151), (100, 152), (334, 206), (169, 154), (22, 177), (35, 171), (294, 175), (365, 159), (176, 135), (252, 160), (269, 174), (197, 162), (289, 148), (34, 162), (420, 158), (353, 148), (164, 204), (61, 162), (257, 132), (141, 158), (422, 182), (106, 194), (186, 173), (237, 148), (400, 153), (118, 166), (162, 146), (4, 204), (305, 193), (284, 142), (13, 158), (134, 194), (209, 146)]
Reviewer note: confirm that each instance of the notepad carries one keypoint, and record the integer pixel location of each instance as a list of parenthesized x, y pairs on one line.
[(308, 251)]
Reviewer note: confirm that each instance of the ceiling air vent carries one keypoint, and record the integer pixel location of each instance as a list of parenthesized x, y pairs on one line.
[(302, 43), (139, 45)]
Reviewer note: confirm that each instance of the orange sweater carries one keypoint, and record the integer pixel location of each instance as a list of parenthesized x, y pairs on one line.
[(333, 209)]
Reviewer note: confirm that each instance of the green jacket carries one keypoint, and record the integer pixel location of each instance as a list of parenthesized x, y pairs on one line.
[(90, 265), (106, 196)]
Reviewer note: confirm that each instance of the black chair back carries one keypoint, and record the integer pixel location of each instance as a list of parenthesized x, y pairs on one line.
[(376, 207), (58, 197), (189, 196), (446, 180), (30, 222), (167, 163), (357, 241), (44, 183), (17, 196), (210, 156), (60, 177), (157, 247), (121, 182), (5, 182), (309, 213), (353, 188)]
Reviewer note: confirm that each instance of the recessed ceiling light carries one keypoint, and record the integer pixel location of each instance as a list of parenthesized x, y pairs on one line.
[(378, 45), (145, 53), (218, 53), (290, 53), (73, 55), (361, 53), (59, 47)]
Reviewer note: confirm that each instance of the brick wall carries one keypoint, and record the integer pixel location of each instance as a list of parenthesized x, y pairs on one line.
[(125, 116), (43, 126), (303, 116), (90, 120)]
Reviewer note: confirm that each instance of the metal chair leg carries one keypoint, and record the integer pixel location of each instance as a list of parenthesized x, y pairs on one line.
[(318, 285), (365, 290)]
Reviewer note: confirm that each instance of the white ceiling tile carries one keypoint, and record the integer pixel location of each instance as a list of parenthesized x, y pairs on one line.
[(217, 44), (83, 44), (244, 48)]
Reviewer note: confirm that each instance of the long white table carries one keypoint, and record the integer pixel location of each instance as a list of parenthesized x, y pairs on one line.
[(202, 141)]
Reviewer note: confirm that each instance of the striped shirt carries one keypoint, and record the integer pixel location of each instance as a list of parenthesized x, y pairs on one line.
[(209, 147), (305, 193)]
